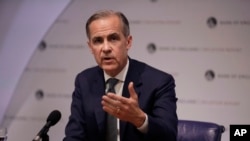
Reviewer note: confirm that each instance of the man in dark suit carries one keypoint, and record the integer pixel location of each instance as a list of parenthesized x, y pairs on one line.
[(144, 101)]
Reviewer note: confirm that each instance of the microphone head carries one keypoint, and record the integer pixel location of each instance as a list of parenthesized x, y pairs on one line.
[(54, 117)]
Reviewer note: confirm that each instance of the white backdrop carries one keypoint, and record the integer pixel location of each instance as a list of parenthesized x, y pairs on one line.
[(203, 44), (23, 24)]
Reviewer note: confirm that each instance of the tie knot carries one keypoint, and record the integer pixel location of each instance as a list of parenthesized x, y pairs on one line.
[(111, 84)]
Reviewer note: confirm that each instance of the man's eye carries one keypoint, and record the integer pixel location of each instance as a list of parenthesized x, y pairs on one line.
[(97, 40), (114, 38)]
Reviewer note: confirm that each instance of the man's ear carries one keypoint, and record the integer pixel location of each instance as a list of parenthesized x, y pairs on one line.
[(129, 41)]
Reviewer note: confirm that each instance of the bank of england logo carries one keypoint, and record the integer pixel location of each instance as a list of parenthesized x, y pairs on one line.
[(210, 75), (39, 94), (151, 48), (43, 45), (212, 22)]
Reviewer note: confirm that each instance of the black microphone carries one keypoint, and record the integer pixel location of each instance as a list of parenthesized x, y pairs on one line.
[(52, 119)]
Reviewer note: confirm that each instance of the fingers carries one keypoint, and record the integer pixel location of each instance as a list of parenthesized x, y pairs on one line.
[(117, 105), (111, 104), (131, 90), (114, 99), (110, 100)]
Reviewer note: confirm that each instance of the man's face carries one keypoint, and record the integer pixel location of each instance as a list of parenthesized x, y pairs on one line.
[(108, 44)]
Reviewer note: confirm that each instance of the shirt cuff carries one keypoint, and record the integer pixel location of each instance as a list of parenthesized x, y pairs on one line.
[(144, 127)]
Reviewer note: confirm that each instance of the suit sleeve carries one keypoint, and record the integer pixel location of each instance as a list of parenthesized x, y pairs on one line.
[(74, 130), (162, 118)]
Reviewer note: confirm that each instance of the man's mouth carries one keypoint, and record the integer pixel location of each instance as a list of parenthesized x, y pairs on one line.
[(107, 59)]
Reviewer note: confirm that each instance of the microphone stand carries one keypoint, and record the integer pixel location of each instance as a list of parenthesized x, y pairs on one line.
[(45, 137)]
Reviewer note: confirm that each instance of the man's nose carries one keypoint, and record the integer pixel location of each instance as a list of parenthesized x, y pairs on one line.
[(106, 46)]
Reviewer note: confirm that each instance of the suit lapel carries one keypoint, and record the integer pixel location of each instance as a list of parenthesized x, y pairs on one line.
[(133, 75)]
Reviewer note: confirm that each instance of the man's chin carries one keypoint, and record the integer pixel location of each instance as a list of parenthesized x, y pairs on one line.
[(109, 69)]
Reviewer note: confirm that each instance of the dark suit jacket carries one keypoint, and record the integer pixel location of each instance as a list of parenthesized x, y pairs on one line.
[(156, 94)]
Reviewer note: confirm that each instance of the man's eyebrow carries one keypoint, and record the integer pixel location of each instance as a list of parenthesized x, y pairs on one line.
[(114, 34), (96, 37), (109, 35)]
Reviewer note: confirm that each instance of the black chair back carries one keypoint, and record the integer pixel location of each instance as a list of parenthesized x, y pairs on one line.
[(199, 131)]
